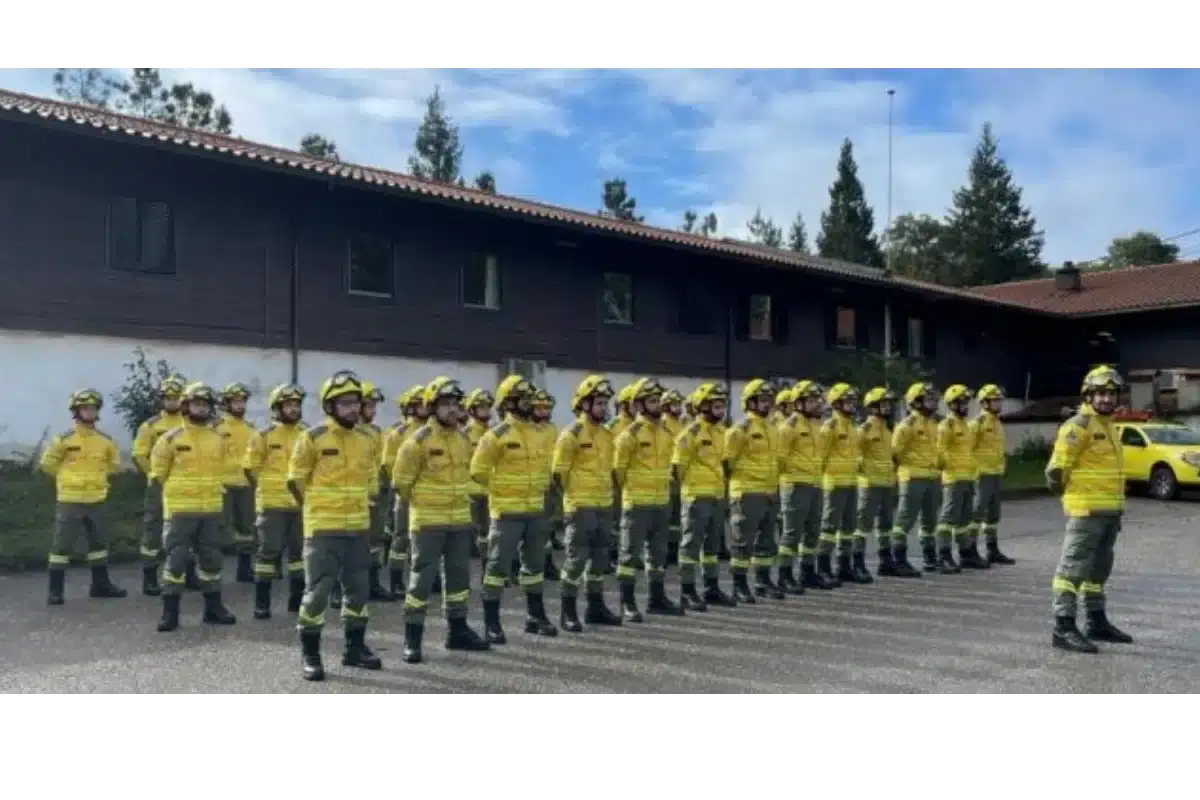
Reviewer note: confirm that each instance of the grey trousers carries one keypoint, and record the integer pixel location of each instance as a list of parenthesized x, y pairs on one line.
[(280, 530), (876, 505), (838, 519), (954, 521), (918, 501), (399, 551), (644, 532), (703, 529), (588, 542), (802, 510), (508, 535), (152, 524), (1086, 563), (239, 518), (754, 520), (336, 558), (987, 507), (186, 533), (74, 522), (447, 548)]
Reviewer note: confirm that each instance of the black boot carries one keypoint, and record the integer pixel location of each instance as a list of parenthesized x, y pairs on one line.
[(310, 656), (1067, 637), (357, 654), (887, 564), (150, 587), (536, 621), (549, 571), (295, 593), (459, 636), (845, 572), (245, 568), (396, 577), (809, 577), (994, 556), (787, 581), (629, 607), (437, 583), (379, 592), (215, 612), (765, 587), (902, 568), (969, 558), (493, 631), (102, 585), (659, 603), (568, 616), (262, 599), (1099, 629), (946, 562), (859, 572), (414, 632), (825, 572), (190, 581), (690, 599), (714, 596), (929, 556), (335, 595), (741, 589), (170, 613), (598, 613), (58, 578)]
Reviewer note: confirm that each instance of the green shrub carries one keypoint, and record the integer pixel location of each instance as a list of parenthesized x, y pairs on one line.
[(1034, 448), (865, 370), (137, 399)]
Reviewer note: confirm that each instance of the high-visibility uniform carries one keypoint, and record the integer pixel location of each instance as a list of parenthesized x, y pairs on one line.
[(152, 515), (378, 509), (914, 446), (876, 484), (956, 457), (753, 454), (991, 462), (239, 495), (583, 459), (802, 463), (839, 481), (641, 465), (393, 438), (280, 527), (80, 461), (698, 458)]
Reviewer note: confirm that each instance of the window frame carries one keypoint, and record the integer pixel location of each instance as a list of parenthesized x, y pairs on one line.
[(391, 265), (838, 342), (492, 286), (139, 266), (1131, 430), (767, 321), (605, 306), (915, 344)]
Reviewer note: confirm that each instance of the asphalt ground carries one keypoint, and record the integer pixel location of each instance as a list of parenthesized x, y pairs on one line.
[(969, 633)]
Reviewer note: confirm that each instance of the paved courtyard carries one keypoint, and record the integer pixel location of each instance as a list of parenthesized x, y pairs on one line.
[(975, 632)]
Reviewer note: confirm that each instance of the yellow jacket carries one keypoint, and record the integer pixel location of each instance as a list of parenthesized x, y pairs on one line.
[(266, 459), (839, 452), (618, 424), (238, 432), (393, 437), (642, 464), (512, 463), (753, 454), (546, 434), (432, 474), (583, 461), (800, 451), (875, 443), (334, 470), (673, 426), (80, 462), (914, 444), (148, 433), (698, 456), (475, 430), (987, 436), (191, 463), (1090, 459), (956, 455), (375, 434)]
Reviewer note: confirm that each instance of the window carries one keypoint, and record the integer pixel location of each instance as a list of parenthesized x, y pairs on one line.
[(618, 298), (1131, 437), (481, 282), (916, 338), (369, 268), (141, 236), (847, 327), (759, 320)]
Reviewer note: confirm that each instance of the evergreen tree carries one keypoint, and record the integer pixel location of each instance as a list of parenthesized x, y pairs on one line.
[(708, 225), (848, 227), (486, 182), (617, 202), (689, 221), (1139, 250), (317, 146), (764, 231), (917, 243), (89, 87), (437, 153), (798, 235)]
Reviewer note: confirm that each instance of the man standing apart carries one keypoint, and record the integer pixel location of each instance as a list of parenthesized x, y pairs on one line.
[(1087, 471), (239, 495)]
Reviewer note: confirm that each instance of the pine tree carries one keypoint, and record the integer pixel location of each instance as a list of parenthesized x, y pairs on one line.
[(437, 153), (708, 225), (991, 237), (617, 202), (689, 221), (317, 146), (486, 182), (848, 227), (90, 87), (764, 231), (798, 235)]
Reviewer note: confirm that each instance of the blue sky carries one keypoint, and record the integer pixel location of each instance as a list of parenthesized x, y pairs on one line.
[(1099, 153)]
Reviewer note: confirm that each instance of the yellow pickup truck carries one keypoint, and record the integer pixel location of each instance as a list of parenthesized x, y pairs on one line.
[(1162, 456)]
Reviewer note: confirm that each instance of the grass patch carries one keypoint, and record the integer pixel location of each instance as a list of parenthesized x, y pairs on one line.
[(1025, 474), (27, 517)]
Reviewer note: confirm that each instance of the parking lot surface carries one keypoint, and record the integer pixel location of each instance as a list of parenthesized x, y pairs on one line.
[(974, 632)]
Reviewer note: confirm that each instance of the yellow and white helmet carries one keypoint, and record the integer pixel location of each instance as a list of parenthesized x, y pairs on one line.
[(878, 395), (513, 388), (990, 392), (841, 392), (284, 392), (756, 388), (372, 393), (592, 386), (646, 387), (918, 392), (1102, 378), (956, 393), (85, 397), (441, 388)]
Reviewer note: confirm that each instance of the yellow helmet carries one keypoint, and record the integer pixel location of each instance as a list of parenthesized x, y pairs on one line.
[(839, 392), (646, 387), (709, 392), (85, 397), (372, 393), (1102, 378), (589, 387), (626, 394), (172, 385), (990, 392), (918, 391), (284, 392), (672, 396), (878, 395), (409, 396), (543, 399), (511, 388), (479, 397), (785, 396), (441, 387), (807, 389), (232, 391), (199, 391), (340, 384), (955, 393), (756, 388)]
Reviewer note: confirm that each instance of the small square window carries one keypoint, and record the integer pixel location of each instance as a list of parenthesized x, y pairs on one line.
[(481, 282), (369, 269), (759, 320), (916, 338), (141, 236), (847, 327), (618, 298)]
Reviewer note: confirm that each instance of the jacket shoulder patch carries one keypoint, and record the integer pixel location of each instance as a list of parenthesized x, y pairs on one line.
[(501, 429), (317, 431), (422, 434), (634, 426), (173, 434), (575, 429), (694, 428), (1079, 420)]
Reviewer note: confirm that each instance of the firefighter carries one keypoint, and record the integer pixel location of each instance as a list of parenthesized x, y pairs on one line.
[(169, 417), (839, 485), (957, 461), (673, 420), (876, 483), (372, 397), (81, 461), (479, 405), (543, 414), (431, 477), (697, 469), (332, 474), (239, 495), (512, 463), (987, 436), (1086, 469), (914, 446), (784, 406), (800, 489), (190, 464), (625, 412), (582, 473), (411, 405), (751, 459), (280, 527)]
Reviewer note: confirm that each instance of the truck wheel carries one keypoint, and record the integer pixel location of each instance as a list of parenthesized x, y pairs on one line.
[(1163, 485)]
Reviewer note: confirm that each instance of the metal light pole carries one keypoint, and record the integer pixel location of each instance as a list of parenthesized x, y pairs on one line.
[(887, 307), (891, 115)]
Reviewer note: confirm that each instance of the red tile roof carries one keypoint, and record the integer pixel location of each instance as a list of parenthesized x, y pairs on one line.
[(1115, 291), (23, 107)]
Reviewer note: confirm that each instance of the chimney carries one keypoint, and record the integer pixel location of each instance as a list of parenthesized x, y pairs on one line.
[(1067, 278)]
